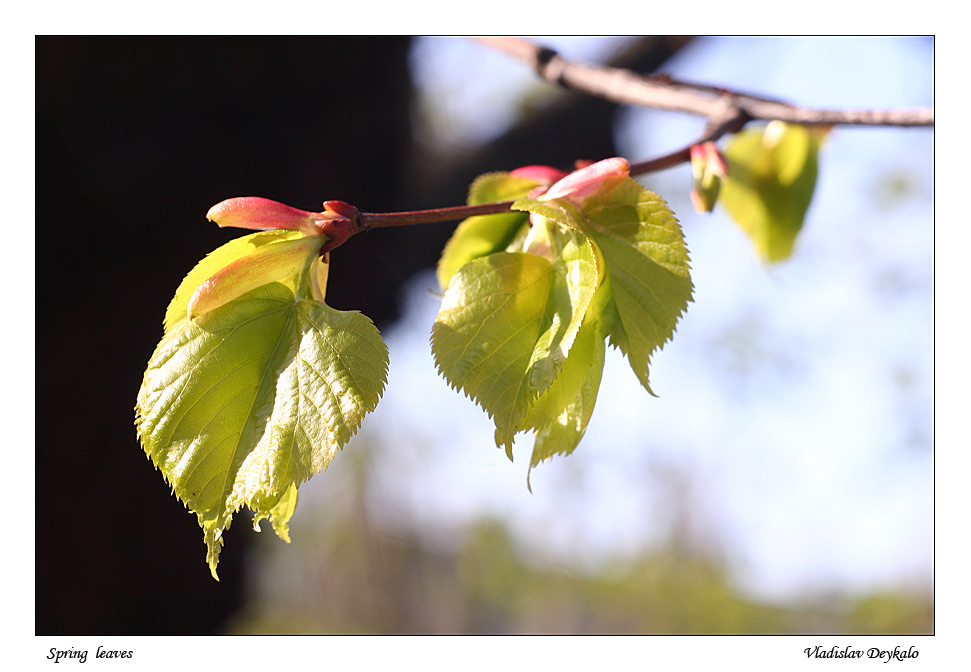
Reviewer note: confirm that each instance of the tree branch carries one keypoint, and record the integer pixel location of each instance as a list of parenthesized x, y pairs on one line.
[(663, 93), (442, 175), (726, 112)]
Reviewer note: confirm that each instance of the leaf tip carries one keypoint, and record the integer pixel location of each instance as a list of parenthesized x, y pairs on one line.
[(504, 441)]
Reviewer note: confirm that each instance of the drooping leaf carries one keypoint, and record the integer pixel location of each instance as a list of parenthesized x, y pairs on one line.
[(618, 252), (641, 245), (771, 177), (485, 234), (240, 406), (507, 323), (561, 414)]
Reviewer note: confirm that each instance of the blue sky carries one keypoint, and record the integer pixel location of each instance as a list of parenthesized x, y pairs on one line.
[(793, 435)]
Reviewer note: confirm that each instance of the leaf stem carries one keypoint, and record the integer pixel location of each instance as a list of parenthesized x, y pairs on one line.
[(380, 220), (731, 119)]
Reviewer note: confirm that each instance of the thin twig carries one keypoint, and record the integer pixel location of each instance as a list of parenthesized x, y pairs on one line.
[(731, 121), (379, 220), (726, 112), (629, 88)]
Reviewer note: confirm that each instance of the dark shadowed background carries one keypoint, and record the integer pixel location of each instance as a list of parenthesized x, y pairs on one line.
[(136, 139)]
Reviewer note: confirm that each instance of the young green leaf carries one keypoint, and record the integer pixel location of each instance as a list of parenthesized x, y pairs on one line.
[(217, 260), (561, 414), (280, 514), (284, 259), (771, 177), (640, 243), (522, 333), (485, 234), (507, 323), (240, 406)]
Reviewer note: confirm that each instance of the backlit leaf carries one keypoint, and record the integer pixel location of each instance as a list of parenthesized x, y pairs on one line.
[(561, 414), (507, 323), (641, 245), (280, 514), (240, 406), (283, 259), (771, 177), (216, 261)]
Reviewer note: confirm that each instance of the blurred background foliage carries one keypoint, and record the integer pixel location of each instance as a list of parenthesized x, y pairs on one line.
[(381, 583), (349, 572)]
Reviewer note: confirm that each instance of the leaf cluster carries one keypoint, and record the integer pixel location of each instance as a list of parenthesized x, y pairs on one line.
[(257, 382), (531, 300)]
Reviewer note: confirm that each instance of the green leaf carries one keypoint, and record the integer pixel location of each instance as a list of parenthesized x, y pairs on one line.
[(641, 246), (485, 234), (240, 406), (771, 177), (523, 333), (268, 263), (507, 323), (216, 261), (280, 514), (496, 187), (560, 415)]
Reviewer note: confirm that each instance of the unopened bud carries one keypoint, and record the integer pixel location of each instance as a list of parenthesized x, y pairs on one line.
[(545, 175), (338, 221), (708, 167), (581, 183), (261, 214)]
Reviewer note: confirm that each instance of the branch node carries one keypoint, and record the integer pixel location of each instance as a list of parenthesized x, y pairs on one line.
[(549, 65)]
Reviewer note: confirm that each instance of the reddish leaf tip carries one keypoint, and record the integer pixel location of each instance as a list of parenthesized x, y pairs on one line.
[(543, 174), (581, 183), (261, 214)]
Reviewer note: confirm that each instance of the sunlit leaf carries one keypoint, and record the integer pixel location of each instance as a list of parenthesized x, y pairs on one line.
[(641, 245), (253, 398), (507, 323), (561, 414), (559, 417), (771, 177), (280, 260), (280, 514), (214, 262), (509, 331)]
